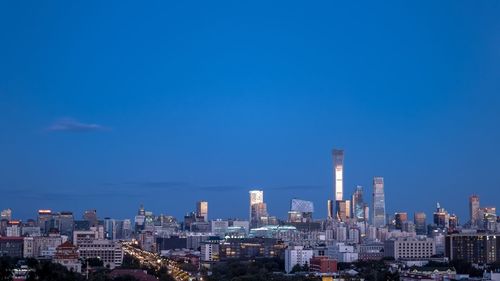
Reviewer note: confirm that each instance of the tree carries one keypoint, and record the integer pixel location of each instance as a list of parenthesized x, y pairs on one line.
[(296, 268), (6, 267)]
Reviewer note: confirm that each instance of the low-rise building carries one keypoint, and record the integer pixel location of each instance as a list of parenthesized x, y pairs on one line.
[(67, 255), (11, 247), (110, 252), (323, 264), (410, 248)]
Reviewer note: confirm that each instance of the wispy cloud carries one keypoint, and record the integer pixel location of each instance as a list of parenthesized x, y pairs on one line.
[(72, 125)]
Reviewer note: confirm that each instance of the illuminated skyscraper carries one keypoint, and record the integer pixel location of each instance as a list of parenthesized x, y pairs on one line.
[(358, 212), (338, 172), (379, 219), (258, 208), (474, 210), (202, 210)]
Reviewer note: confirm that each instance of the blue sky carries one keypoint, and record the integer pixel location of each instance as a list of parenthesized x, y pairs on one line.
[(111, 104)]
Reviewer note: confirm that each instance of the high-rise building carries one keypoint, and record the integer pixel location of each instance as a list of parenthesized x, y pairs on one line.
[(343, 210), (476, 248), (301, 210), (400, 219), (420, 223), (6, 214), (66, 223), (474, 210), (44, 217), (258, 209), (379, 219), (202, 210), (338, 178), (441, 217), (259, 215), (91, 217), (329, 208), (358, 212), (338, 171)]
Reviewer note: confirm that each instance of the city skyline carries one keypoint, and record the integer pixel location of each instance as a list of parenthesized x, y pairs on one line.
[(107, 107)]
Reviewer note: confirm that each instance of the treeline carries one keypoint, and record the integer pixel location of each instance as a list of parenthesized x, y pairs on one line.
[(259, 270)]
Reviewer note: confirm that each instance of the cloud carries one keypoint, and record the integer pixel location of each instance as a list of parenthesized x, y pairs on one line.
[(72, 125)]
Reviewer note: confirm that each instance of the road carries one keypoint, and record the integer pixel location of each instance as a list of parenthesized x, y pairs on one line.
[(154, 261)]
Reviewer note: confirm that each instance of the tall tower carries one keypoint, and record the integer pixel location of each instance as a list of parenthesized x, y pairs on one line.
[(338, 172), (378, 202), (256, 197), (474, 209), (202, 210), (358, 205)]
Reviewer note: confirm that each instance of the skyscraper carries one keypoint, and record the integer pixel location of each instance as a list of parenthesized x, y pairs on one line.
[(378, 202), (338, 172), (419, 219), (400, 218), (329, 208), (474, 210), (343, 210), (202, 210), (358, 212), (257, 205)]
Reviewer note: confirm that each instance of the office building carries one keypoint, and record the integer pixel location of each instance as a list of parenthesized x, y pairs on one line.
[(66, 223), (330, 209), (410, 248), (110, 252), (301, 210), (259, 215), (441, 217), (358, 205), (474, 210), (338, 172), (202, 210), (219, 227), (420, 221), (379, 219), (400, 219), (258, 209), (91, 217), (338, 179), (343, 210), (44, 217)]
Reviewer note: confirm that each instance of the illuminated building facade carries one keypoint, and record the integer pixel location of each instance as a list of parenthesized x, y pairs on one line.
[(202, 210), (379, 219), (358, 206)]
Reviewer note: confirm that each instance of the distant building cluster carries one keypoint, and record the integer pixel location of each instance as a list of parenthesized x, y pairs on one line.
[(357, 228)]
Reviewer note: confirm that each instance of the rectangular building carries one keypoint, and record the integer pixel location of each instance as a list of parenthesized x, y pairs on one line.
[(477, 248), (410, 248)]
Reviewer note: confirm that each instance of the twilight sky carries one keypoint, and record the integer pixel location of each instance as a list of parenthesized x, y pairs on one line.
[(107, 104)]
